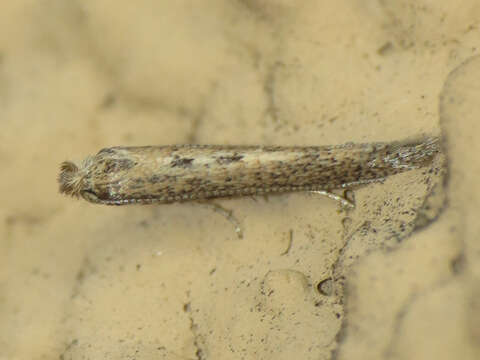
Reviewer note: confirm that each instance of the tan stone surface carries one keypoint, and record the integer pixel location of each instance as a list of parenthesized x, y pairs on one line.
[(79, 281)]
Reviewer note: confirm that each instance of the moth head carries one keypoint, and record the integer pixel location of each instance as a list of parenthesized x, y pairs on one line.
[(72, 178)]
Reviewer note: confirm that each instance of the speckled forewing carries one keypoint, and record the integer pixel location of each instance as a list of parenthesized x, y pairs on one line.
[(165, 174)]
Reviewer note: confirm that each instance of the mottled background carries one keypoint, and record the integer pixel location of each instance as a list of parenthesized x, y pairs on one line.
[(396, 278)]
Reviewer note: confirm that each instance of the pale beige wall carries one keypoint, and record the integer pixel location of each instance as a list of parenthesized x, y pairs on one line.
[(173, 282)]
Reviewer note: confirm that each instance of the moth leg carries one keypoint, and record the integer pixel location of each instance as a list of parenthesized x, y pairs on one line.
[(343, 200), (227, 214), (360, 183)]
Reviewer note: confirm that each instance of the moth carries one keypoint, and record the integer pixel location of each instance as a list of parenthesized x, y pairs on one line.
[(176, 173)]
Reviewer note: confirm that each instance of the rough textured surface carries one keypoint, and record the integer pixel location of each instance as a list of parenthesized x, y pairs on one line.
[(79, 281)]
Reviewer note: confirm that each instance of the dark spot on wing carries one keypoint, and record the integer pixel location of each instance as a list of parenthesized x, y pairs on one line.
[(155, 179), (223, 160), (181, 162), (109, 151), (114, 165)]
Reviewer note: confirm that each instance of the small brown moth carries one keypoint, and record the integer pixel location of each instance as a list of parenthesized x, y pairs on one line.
[(175, 173)]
